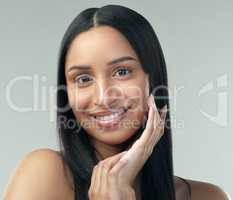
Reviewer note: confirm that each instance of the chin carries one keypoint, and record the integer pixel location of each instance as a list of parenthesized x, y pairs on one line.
[(122, 138)]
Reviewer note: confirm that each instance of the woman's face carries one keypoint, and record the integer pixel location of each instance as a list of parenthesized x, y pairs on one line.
[(103, 74)]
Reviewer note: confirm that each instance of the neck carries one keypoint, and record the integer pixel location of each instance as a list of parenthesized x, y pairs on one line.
[(103, 150)]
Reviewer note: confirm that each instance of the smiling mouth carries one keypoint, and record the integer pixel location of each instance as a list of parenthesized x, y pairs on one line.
[(111, 119)]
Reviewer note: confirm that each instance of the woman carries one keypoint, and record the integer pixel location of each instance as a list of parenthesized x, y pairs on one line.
[(121, 147)]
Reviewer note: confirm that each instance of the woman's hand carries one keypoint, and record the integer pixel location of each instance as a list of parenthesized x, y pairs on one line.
[(113, 178), (142, 148), (105, 184)]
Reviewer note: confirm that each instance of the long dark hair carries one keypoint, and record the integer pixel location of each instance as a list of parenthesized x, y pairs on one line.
[(77, 152)]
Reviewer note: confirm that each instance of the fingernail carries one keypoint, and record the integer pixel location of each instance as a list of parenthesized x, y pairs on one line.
[(163, 111), (149, 100), (153, 104), (165, 108)]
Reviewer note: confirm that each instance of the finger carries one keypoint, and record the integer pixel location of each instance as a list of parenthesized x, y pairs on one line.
[(98, 177), (158, 118), (114, 160), (163, 113), (104, 177), (101, 172), (110, 162), (144, 143), (163, 116), (93, 179), (160, 127), (157, 121), (149, 127), (106, 166), (118, 166)]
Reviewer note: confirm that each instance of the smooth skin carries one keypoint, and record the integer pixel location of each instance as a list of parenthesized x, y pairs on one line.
[(112, 178), (42, 175), (103, 86)]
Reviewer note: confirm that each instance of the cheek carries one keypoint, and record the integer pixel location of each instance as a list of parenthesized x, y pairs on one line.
[(139, 108), (78, 100), (136, 97)]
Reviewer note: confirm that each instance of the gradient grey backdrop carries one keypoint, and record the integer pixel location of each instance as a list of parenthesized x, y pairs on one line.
[(196, 38)]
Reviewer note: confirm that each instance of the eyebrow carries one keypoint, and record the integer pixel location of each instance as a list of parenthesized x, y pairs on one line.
[(115, 61)]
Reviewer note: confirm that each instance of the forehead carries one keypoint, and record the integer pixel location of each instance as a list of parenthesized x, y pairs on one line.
[(99, 44)]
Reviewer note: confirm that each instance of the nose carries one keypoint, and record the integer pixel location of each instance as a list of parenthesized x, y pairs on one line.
[(107, 94)]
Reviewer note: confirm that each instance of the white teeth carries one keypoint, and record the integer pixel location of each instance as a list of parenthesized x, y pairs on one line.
[(111, 116), (107, 117)]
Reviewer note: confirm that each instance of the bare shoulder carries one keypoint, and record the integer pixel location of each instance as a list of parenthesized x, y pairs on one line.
[(41, 174), (206, 191)]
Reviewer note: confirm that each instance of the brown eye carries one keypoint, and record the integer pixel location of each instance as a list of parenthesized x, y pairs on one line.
[(82, 79), (124, 71)]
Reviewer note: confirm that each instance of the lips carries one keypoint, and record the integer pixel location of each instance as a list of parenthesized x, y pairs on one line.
[(109, 112), (110, 119)]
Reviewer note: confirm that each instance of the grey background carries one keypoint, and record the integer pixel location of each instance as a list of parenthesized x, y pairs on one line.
[(196, 37)]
